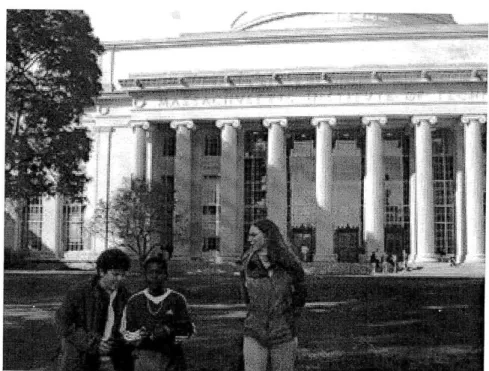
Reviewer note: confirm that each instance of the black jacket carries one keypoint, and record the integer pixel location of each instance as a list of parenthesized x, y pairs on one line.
[(80, 322)]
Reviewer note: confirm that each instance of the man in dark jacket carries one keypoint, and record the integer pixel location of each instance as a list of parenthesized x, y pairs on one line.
[(89, 319)]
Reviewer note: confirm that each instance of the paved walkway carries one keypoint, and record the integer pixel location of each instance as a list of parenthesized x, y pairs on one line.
[(467, 270)]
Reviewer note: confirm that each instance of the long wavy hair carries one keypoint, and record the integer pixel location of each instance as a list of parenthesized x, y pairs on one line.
[(270, 230), (275, 241)]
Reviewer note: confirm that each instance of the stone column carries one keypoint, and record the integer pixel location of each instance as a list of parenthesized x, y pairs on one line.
[(413, 232), (374, 194), (460, 223), (182, 187), (229, 221), (139, 169), (50, 228), (424, 189), (13, 225), (324, 188), (474, 183), (102, 182), (91, 190), (277, 173), (487, 185), (149, 154)]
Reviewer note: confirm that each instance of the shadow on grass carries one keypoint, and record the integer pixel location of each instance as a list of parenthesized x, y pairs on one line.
[(361, 325)]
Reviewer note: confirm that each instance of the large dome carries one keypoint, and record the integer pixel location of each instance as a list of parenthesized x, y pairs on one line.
[(273, 21)]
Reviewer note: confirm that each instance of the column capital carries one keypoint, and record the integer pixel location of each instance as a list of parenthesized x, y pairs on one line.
[(103, 110), (231, 122), (189, 124), (466, 119), (416, 120), (367, 120), (138, 103), (104, 129), (280, 121), (139, 124), (316, 121)]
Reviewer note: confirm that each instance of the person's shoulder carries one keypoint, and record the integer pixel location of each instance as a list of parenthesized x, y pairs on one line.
[(138, 296), (175, 295), (87, 285), (80, 291), (124, 292)]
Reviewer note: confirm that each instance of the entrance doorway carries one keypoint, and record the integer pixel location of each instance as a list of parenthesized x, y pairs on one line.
[(304, 239), (346, 244)]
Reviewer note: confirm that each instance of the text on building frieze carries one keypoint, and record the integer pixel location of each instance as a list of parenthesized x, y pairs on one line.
[(319, 99)]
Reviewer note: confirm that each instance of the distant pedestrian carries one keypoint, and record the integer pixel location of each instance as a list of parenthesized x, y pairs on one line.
[(89, 318), (384, 263), (394, 263), (374, 262), (405, 259), (305, 253), (453, 262)]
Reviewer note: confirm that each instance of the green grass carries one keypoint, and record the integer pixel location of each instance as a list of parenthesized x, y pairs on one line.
[(381, 323)]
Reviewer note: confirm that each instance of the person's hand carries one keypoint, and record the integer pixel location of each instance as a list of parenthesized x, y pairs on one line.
[(143, 333), (104, 347), (136, 337), (160, 332), (263, 255)]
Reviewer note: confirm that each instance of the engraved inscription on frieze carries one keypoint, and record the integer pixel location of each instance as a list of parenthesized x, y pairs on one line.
[(316, 99)]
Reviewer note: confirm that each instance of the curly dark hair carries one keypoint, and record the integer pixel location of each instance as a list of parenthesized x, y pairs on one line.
[(113, 259), (156, 259)]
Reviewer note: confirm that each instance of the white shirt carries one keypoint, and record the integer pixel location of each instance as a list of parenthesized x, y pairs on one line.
[(110, 317), (156, 299)]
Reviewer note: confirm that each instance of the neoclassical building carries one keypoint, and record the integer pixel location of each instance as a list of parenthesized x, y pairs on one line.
[(355, 133)]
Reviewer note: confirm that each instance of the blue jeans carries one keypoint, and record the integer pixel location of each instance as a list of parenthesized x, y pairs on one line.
[(149, 360), (282, 356)]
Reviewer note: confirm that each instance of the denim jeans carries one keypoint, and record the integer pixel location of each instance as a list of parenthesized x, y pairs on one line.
[(148, 360)]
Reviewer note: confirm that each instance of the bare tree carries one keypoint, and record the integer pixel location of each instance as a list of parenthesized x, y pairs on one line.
[(135, 217)]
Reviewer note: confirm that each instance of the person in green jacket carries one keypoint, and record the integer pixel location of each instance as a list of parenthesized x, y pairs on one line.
[(275, 293)]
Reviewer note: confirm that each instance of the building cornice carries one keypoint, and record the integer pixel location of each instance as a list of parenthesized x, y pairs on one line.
[(436, 31), (237, 79)]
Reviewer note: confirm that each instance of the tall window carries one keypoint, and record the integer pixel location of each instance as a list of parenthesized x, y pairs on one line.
[(444, 191), (211, 243), (301, 178), (211, 211), (396, 181), (73, 213), (169, 144), (212, 144), (33, 223), (484, 151), (168, 187), (255, 171)]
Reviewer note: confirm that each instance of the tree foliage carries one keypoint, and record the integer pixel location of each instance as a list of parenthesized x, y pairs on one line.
[(134, 218), (52, 75)]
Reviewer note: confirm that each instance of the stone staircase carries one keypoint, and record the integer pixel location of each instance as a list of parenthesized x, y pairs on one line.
[(336, 268), (443, 269), (204, 267)]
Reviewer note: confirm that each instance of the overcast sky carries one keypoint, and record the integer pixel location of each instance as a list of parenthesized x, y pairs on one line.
[(150, 20)]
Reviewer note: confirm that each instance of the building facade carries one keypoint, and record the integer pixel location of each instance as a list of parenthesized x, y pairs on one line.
[(355, 133)]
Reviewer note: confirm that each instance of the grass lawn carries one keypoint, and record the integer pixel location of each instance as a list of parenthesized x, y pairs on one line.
[(350, 323)]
